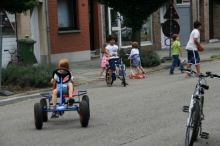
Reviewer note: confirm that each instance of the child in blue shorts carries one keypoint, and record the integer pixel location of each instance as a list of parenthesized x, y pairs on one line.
[(112, 52), (67, 88)]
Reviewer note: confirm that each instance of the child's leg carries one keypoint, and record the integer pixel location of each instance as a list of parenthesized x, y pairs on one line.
[(101, 72), (110, 76), (175, 59), (70, 88), (54, 98), (142, 70), (138, 70)]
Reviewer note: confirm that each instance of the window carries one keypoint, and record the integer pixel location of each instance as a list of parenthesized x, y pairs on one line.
[(8, 24), (146, 32), (66, 15), (182, 1)]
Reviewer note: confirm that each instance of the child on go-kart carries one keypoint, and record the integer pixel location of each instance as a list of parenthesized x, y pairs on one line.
[(67, 88)]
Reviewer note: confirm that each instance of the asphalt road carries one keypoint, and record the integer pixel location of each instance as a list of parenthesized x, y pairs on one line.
[(148, 112)]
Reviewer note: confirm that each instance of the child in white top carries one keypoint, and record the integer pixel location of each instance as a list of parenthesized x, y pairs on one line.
[(136, 58)]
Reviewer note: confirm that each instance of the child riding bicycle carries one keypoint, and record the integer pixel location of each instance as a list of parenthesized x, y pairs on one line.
[(112, 52)]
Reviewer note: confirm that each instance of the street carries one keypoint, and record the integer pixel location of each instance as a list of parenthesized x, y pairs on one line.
[(147, 112)]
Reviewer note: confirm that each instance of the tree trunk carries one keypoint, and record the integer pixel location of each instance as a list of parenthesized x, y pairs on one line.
[(136, 37)]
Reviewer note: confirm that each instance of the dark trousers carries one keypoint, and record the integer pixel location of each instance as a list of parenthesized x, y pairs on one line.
[(176, 61)]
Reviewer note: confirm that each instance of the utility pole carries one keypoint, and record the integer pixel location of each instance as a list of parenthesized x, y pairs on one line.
[(1, 48)]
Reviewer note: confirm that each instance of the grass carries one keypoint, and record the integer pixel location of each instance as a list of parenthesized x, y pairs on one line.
[(215, 56)]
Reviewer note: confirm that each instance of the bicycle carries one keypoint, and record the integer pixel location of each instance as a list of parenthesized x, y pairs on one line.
[(195, 110), (19, 60), (119, 73)]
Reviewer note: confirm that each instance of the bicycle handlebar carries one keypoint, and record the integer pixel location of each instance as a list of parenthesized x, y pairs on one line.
[(190, 71), (12, 52), (215, 76)]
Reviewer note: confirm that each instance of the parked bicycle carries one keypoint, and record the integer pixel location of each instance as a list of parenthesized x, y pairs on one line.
[(18, 62), (195, 110), (118, 73)]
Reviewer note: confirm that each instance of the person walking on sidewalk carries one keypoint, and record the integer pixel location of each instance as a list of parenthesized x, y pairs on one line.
[(104, 61), (192, 48), (176, 51)]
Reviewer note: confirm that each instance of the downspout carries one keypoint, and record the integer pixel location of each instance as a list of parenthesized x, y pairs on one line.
[(102, 24), (197, 10), (16, 29), (48, 31)]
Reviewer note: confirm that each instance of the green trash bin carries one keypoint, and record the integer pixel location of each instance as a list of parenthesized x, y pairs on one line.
[(26, 51)]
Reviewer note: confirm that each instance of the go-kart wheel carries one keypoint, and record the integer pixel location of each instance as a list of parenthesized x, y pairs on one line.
[(86, 98), (43, 103), (130, 76), (38, 117), (83, 113)]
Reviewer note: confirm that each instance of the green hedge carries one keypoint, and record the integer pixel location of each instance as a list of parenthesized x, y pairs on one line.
[(28, 76), (148, 58)]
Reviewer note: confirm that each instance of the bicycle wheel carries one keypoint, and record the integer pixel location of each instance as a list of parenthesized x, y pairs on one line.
[(9, 64), (21, 63), (123, 75), (192, 128), (107, 75)]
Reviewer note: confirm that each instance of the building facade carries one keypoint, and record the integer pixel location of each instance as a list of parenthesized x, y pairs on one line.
[(77, 29), (74, 29)]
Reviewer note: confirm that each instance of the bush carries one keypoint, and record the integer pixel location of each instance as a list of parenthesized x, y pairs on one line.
[(148, 58), (215, 56), (162, 60), (28, 76)]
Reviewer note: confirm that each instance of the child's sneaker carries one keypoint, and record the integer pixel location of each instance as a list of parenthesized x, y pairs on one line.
[(54, 115), (109, 84), (71, 101), (123, 83)]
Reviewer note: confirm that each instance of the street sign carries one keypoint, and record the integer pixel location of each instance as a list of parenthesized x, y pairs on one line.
[(175, 28), (171, 13)]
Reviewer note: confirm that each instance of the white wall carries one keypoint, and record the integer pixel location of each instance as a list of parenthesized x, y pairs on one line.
[(72, 56), (35, 33), (8, 44)]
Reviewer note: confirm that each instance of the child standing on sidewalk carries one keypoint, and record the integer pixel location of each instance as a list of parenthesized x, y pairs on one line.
[(176, 51), (136, 58), (104, 61)]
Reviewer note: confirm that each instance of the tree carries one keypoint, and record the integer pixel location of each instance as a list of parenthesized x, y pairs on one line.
[(217, 2), (136, 12), (18, 6)]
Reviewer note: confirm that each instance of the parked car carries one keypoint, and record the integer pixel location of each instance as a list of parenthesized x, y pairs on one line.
[(126, 32)]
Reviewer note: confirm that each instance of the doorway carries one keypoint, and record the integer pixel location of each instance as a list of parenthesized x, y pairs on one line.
[(184, 21)]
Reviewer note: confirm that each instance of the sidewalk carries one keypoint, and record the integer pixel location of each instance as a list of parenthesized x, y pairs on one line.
[(88, 71)]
